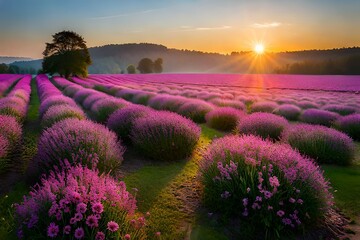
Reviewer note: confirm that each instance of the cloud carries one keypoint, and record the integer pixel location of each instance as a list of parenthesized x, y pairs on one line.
[(266, 25), (190, 28), (124, 14)]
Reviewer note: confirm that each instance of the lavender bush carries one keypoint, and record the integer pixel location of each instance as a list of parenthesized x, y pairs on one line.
[(288, 111), (340, 109), (58, 113), (103, 108), (269, 187), (165, 135), (70, 138), (224, 118), (268, 107), (77, 203), (195, 110), (265, 125), (350, 125), (320, 117), (323, 144)]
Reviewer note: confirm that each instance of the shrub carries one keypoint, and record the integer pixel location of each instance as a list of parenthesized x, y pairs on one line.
[(317, 116), (225, 118), (340, 109), (55, 100), (72, 137), (167, 102), (82, 94), (307, 104), (103, 108), (142, 98), (265, 125), (92, 98), (269, 187), (195, 110), (350, 125), (10, 129), (13, 107), (77, 203), (60, 112), (264, 107), (324, 144), (72, 89), (122, 120), (165, 135), (229, 103), (288, 111)]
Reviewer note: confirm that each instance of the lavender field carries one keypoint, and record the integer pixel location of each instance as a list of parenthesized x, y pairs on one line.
[(179, 156)]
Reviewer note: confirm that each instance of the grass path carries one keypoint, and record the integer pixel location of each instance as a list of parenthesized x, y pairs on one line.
[(170, 192)]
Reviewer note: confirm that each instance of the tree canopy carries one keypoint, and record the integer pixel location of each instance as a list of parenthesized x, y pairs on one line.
[(131, 69), (67, 55), (146, 65)]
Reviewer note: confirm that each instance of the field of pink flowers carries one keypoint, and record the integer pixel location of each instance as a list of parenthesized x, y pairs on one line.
[(177, 156)]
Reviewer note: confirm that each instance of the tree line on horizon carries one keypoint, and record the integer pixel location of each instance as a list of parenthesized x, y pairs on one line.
[(343, 66)]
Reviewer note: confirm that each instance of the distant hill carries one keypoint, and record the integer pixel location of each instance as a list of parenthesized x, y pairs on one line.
[(115, 58), (8, 60)]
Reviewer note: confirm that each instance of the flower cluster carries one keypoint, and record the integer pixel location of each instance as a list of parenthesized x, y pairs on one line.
[(72, 137), (224, 118), (268, 185), (164, 135), (350, 125), (326, 145), (265, 125), (318, 116), (78, 203), (288, 111)]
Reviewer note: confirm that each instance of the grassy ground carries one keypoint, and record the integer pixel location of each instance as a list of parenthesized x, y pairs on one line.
[(163, 188), (346, 185)]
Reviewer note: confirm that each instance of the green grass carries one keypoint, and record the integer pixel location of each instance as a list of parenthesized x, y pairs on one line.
[(346, 185), (161, 190)]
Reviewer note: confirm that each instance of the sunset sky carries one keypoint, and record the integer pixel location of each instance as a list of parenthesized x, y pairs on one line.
[(206, 25)]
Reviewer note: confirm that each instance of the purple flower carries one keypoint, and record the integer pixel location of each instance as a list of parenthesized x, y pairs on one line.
[(79, 233), (225, 195), (81, 208), (100, 236), (112, 226), (267, 194), (92, 221), (280, 213), (67, 229), (300, 201), (292, 200), (52, 230), (127, 237), (245, 201), (274, 181), (78, 216), (286, 221), (97, 208)]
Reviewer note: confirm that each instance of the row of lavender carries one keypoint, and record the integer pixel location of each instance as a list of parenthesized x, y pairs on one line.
[(157, 134), (324, 144), (77, 198), (13, 109), (267, 185), (6, 80), (329, 115)]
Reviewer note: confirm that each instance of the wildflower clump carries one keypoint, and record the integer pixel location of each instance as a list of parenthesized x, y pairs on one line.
[(269, 187), (78, 203)]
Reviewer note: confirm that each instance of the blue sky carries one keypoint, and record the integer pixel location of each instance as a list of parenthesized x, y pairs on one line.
[(207, 25)]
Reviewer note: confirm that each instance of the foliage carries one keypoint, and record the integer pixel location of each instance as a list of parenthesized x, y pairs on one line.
[(131, 69), (350, 125), (76, 202), (323, 144), (76, 138), (224, 118), (67, 55), (58, 113), (288, 111), (146, 65), (265, 125), (265, 106), (318, 116), (270, 188), (165, 136)]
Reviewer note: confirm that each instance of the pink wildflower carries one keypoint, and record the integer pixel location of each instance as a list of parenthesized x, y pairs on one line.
[(79, 233), (97, 208), (92, 221), (127, 237), (100, 236), (81, 208), (112, 226), (52, 230)]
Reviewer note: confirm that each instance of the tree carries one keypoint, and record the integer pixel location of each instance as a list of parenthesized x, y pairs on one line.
[(158, 65), (4, 68), (146, 65), (67, 55), (131, 69)]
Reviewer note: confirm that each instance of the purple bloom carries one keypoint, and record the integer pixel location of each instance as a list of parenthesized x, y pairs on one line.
[(286, 221), (280, 213), (292, 200), (100, 236), (112, 226), (67, 229), (224, 118), (52, 230), (81, 208), (79, 233), (97, 208), (92, 221)]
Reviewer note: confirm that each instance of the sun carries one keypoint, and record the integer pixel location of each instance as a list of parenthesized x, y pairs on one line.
[(259, 48)]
